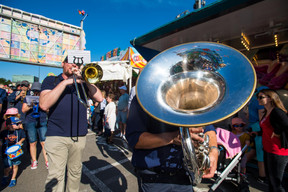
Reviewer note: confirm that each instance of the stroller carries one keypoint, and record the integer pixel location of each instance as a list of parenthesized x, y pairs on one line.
[(229, 167)]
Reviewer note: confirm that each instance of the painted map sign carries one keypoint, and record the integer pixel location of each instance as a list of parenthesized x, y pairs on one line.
[(38, 40)]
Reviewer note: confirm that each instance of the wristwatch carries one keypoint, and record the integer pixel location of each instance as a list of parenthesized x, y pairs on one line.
[(214, 147)]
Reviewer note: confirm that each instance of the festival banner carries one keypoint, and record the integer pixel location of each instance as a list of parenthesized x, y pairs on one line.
[(110, 54), (136, 60)]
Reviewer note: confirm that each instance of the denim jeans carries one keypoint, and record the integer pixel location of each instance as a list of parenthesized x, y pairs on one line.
[(275, 167), (9, 163), (33, 130)]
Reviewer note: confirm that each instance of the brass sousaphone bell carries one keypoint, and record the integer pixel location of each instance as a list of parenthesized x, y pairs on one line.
[(192, 85)]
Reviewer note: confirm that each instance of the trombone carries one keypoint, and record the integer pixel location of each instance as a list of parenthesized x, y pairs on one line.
[(91, 73)]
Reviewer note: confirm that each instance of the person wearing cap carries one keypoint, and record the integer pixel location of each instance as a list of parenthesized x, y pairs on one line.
[(122, 110), (35, 124), (11, 112), (67, 126), (238, 129), (9, 137), (17, 97)]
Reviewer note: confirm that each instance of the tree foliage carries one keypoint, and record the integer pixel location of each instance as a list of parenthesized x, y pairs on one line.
[(5, 81)]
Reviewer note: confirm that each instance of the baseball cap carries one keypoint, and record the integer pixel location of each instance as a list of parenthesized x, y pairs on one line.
[(25, 83), (237, 120), (13, 120), (123, 87), (36, 86), (11, 111)]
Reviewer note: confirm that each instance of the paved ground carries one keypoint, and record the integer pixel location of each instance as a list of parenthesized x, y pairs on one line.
[(106, 168)]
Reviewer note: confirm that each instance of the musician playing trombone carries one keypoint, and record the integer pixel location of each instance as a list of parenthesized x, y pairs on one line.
[(157, 153), (67, 125)]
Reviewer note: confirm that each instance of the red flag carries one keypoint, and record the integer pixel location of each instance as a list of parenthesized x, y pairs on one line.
[(81, 12)]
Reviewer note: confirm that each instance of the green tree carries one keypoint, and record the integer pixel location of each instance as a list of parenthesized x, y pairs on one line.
[(5, 81)]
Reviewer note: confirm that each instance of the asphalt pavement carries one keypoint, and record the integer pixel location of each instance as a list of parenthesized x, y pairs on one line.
[(106, 168)]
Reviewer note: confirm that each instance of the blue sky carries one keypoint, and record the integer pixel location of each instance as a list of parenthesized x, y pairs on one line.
[(110, 24)]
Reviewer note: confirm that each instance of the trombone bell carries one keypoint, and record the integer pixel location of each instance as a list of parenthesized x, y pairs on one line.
[(92, 73)]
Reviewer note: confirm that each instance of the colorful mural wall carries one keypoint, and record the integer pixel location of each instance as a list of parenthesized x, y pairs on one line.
[(30, 42)]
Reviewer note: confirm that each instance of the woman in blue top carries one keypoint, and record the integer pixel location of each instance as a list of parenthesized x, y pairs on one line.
[(35, 123)]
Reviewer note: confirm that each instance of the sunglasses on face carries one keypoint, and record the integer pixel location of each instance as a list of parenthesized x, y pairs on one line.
[(24, 85), (240, 125), (261, 97)]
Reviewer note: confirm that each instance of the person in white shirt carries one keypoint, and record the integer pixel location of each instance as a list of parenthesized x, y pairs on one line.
[(110, 118)]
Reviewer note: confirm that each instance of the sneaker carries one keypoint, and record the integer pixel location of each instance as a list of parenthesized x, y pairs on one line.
[(47, 164), (12, 183), (34, 165), (5, 181)]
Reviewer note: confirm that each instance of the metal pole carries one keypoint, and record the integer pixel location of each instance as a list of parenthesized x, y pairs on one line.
[(81, 26)]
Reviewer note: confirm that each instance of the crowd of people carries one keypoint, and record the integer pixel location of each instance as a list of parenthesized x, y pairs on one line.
[(50, 113)]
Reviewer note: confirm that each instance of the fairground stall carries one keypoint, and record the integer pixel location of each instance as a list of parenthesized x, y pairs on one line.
[(258, 28)]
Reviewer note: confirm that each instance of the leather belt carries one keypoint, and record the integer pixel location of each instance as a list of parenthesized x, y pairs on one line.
[(153, 175)]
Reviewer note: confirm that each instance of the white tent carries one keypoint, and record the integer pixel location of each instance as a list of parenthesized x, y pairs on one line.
[(116, 70)]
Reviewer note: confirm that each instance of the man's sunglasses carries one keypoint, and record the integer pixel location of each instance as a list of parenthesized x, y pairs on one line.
[(261, 97), (240, 125), (24, 85)]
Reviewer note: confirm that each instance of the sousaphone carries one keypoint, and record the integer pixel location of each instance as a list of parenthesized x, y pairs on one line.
[(192, 85)]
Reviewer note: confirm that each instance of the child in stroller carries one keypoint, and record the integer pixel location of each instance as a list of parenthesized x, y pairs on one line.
[(229, 167)]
